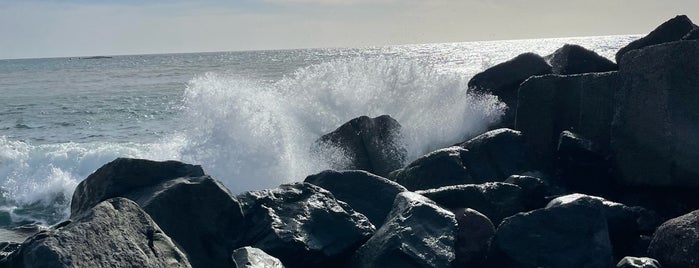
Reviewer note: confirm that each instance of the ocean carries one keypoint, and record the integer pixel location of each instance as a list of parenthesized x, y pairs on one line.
[(249, 118)]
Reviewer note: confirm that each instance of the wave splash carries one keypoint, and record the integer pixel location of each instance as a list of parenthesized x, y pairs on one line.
[(256, 134)]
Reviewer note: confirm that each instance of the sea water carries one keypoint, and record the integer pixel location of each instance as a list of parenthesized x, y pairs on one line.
[(248, 118)]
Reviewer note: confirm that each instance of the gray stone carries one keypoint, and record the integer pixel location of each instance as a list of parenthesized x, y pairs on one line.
[(113, 233), (574, 59), (366, 193), (417, 233), (676, 242), (638, 262), (439, 168), (671, 30), (249, 257)]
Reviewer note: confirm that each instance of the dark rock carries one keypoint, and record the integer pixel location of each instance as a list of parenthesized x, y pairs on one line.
[(436, 169), (657, 116), (249, 257), (574, 59), (124, 175), (473, 239), (570, 235), (625, 224), (536, 193), (550, 104), (496, 200), (583, 167), (366, 193), (638, 262), (503, 80), (671, 30), (371, 144), (676, 242), (114, 233), (692, 35), (303, 225), (497, 154), (417, 233), (6, 248)]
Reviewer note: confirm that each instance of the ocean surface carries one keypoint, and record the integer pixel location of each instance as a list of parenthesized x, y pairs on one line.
[(249, 118)]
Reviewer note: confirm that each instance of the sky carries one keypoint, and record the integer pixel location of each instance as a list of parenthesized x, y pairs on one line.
[(53, 28)]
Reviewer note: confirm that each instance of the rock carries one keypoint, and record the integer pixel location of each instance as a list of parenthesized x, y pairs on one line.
[(503, 80), (6, 248), (372, 144), (249, 257), (496, 200), (636, 262), (497, 154), (625, 223), (124, 175), (692, 35), (671, 30), (657, 117), (114, 233), (574, 59), (570, 235), (303, 225), (366, 193), (583, 167), (473, 239), (550, 104), (536, 193), (177, 196), (676, 242), (417, 233), (436, 169)]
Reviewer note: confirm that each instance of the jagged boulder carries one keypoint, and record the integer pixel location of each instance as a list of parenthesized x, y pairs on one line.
[(502, 80), (249, 257), (113, 233), (571, 235), (655, 126), (497, 154), (417, 233), (439, 168), (574, 59), (303, 225), (371, 144), (366, 193), (473, 239), (496, 200), (671, 30), (676, 242), (638, 262)]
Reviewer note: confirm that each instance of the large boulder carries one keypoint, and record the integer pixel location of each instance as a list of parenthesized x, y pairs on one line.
[(249, 257), (536, 193), (503, 80), (496, 200), (417, 233), (571, 235), (371, 144), (574, 59), (473, 239), (114, 233), (676, 242), (550, 104), (439, 168), (177, 196), (303, 225), (654, 133), (497, 154), (366, 193), (671, 30)]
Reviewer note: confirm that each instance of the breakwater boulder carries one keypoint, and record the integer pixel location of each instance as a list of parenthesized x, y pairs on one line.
[(575, 59), (671, 30), (676, 242)]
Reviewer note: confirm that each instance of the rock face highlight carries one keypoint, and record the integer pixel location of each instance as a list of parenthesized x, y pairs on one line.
[(417, 233), (114, 233), (671, 30), (372, 144), (249, 257), (676, 242), (656, 123)]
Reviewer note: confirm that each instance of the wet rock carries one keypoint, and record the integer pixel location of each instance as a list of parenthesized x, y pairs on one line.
[(570, 235), (366, 193), (656, 122), (114, 233), (303, 225), (249, 257), (676, 242), (473, 239), (671, 30), (417, 233), (638, 262), (503, 80), (574, 59), (497, 154), (436, 169), (496, 200), (372, 144)]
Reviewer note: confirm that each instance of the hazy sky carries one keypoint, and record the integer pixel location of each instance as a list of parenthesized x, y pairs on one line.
[(46, 28)]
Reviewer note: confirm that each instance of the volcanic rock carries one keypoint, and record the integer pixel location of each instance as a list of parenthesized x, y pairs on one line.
[(574, 59), (473, 239), (497, 154), (583, 167), (436, 169), (671, 30), (676, 242)]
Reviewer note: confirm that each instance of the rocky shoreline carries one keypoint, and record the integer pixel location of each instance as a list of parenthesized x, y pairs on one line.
[(595, 164)]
